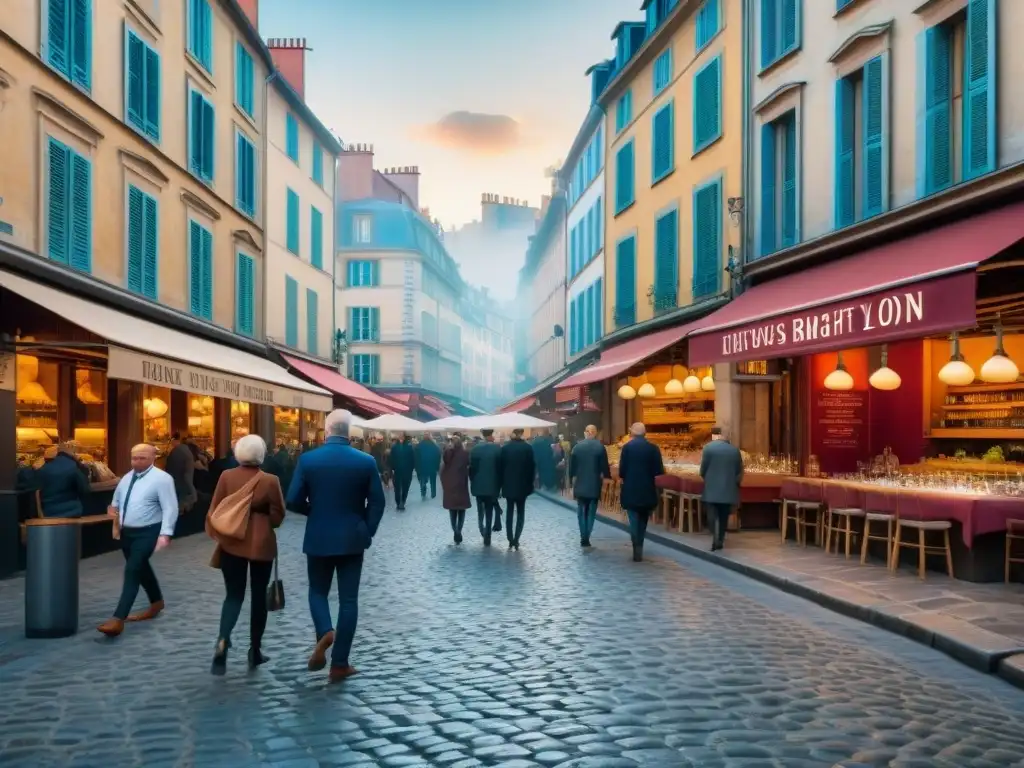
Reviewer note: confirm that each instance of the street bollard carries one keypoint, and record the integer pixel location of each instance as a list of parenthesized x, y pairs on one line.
[(53, 550)]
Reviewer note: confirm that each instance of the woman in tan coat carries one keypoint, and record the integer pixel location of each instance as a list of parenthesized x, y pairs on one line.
[(253, 555)]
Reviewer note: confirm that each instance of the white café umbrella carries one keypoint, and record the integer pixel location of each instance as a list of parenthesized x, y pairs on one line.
[(509, 421), (394, 422), (453, 424)]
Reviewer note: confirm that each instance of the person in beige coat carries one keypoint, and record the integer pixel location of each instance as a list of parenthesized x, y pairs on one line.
[(251, 556)]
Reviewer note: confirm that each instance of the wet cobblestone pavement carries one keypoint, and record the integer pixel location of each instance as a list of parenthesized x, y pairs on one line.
[(474, 657)]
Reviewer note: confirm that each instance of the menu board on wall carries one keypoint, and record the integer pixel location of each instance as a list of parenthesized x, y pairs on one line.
[(839, 432)]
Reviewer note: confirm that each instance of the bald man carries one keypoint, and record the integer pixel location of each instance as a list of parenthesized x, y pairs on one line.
[(146, 508)]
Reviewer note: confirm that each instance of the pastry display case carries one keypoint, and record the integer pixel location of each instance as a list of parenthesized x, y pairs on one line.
[(156, 418), (241, 423), (36, 397), (287, 427), (201, 422)]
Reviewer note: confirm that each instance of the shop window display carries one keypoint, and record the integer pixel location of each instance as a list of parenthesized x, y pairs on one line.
[(36, 405), (156, 417), (287, 428), (89, 414), (200, 422), (240, 420), (313, 423)]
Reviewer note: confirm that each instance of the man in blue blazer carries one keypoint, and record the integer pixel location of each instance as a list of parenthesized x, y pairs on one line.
[(640, 465), (338, 488)]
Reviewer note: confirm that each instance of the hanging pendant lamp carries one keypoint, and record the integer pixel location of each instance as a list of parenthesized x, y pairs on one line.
[(674, 386), (691, 383), (840, 379), (708, 383), (999, 369), (626, 392), (956, 373), (885, 378), (646, 390)]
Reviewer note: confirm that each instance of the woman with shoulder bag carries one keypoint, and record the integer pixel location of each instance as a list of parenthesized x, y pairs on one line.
[(246, 508)]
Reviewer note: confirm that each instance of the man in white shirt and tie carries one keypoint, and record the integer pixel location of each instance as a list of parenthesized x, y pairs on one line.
[(146, 507)]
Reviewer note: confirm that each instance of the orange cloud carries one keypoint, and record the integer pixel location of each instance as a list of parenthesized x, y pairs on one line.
[(474, 132)]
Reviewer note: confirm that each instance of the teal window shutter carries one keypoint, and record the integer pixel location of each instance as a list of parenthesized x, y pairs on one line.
[(312, 321), (935, 141), (769, 36), (623, 111), (600, 223), (666, 261), (662, 149), (599, 310), (292, 224), (790, 25), (67, 39), (588, 316), (245, 80), (846, 115), (245, 292), (980, 124), (81, 43), (873, 132), (245, 174), (292, 137), (707, 239), (150, 248), (318, 163), (624, 177), (572, 252), (143, 243), (707, 22), (790, 233), (316, 238), (81, 213), (291, 312), (58, 35), (375, 323), (780, 29), (769, 201), (625, 282), (662, 71), (58, 203), (572, 327), (200, 32), (200, 262), (207, 274), (707, 104), (201, 136), (151, 98)]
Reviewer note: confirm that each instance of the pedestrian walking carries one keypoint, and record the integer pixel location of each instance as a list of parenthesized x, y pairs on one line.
[(588, 469), (428, 462), (517, 473), (181, 466), (485, 481), (544, 457), (247, 506), (721, 467), (403, 463), (639, 464), (145, 511), (339, 490), (455, 484)]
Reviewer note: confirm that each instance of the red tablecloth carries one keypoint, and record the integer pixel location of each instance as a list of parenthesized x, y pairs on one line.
[(755, 489)]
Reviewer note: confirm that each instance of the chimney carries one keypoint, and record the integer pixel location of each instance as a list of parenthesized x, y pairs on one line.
[(289, 55), (251, 9), (407, 179), (355, 172)]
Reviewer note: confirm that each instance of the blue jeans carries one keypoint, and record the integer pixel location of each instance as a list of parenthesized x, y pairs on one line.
[(586, 514), (432, 479), (321, 571), (457, 517), (638, 525)]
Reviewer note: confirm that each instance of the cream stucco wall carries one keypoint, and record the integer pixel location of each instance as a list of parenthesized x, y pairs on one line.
[(546, 355), (283, 174), (36, 102), (824, 34), (721, 159)]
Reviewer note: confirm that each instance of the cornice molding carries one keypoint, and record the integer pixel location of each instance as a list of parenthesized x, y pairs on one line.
[(195, 201), (88, 131), (865, 33)]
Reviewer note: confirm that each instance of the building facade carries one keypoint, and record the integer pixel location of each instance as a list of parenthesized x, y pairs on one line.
[(674, 148), (301, 159), (488, 359)]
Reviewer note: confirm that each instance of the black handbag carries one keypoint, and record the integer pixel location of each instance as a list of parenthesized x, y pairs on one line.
[(275, 591)]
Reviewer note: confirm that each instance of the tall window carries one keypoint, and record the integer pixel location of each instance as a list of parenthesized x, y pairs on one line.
[(365, 369), (362, 228), (245, 80), (625, 177), (291, 136), (292, 221), (312, 321), (200, 32), (68, 206), (291, 311), (623, 111), (364, 273), (666, 261), (316, 238), (708, 21), (245, 294), (142, 86), (364, 323), (663, 160), (662, 71), (201, 136), (318, 163), (779, 201), (67, 39), (143, 243), (860, 162), (200, 270), (707, 104), (245, 174), (780, 29), (707, 239), (625, 282)]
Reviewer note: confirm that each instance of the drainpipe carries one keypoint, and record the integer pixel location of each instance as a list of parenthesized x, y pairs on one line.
[(266, 176)]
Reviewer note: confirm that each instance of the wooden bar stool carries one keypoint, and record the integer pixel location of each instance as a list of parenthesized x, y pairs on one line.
[(1014, 533), (800, 511), (922, 527), (669, 506), (877, 517), (787, 513), (689, 507), (839, 524)]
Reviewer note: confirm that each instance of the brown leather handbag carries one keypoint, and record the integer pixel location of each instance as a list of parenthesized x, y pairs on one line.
[(230, 518)]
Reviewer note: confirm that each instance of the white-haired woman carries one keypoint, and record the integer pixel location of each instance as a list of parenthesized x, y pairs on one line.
[(251, 556)]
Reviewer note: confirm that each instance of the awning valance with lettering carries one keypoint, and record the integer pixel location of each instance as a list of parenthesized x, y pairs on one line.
[(908, 288), (142, 351)]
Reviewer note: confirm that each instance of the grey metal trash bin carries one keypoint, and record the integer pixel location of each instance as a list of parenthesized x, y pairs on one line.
[(53, 550)]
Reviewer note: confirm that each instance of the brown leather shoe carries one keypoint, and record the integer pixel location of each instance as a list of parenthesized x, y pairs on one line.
[(111, 627), (150, 613), (337, 674), (318, 660)]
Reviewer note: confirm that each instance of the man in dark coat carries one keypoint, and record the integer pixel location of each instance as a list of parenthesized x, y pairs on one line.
[(588, 469), (721, 466), (428, 462), (517, 473), (62, 484), (485, 481), (639, 464), (403, 462), (544, 457)]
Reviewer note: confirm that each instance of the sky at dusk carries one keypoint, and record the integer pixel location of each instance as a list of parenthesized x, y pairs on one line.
[(482, 96)]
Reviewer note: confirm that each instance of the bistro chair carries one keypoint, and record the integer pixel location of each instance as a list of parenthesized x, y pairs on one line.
[(877, 517), (1014, 533), (671, 507), (923, 527), (689, 512), (843, 505)]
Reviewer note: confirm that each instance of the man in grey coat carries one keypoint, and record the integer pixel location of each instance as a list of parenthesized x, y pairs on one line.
[(588, 468), (485, 473), (721, 467)]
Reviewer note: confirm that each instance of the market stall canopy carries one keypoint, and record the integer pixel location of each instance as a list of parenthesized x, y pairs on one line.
[(451, 424), (908, 288), (507, 421), (142, 351), (395, 422), (334, 381)]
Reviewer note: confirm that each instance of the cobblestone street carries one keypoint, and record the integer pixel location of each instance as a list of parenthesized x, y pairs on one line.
[(474, 657)]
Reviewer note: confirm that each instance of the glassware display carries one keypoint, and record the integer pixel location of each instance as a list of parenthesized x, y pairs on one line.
[(975, 484)]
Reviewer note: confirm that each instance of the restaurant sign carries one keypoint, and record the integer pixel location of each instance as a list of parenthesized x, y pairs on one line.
[(915, 310), (163, 372)]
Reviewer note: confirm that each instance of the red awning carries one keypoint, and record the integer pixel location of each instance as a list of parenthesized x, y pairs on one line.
[(617, 359), (376, 408), (334, 381), (909, 288), (433, 410), (519, 405), (437, 406)]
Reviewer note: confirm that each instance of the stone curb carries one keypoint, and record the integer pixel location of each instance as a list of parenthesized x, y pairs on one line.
[(1006, 662)]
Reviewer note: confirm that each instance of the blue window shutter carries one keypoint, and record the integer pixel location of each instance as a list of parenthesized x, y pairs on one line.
[(662, 71), (245, 290), (769, 34), (374, 323), (790, 234), (150, 248), (790, 25), (353, 323), (707, 23), (707, 239), (200, 31), (80, 252), (316, 239), (293, 222), (980, 124), (195, 268), (572, 252), (207, 277), (136, 235), (195, 132), (134, 86), (292, 137), (151, 120), (624, 171), (666, 260), (245, 175), (245, 86), (291, 312), (935, 142), (707, 104), (58, 195), (588, 316), (625, 282), (81, 43), (769, 201), (318, 164), (58, 35), (874, 154), (846, 112), (600, 222), (663, 152), (209, 135), (599, 310), (312, 321), (572, 327)]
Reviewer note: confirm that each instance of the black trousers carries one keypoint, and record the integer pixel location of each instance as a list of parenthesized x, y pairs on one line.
[(515, 518), (485, 509), (402, 485), (137, 546), (432, 480), (235, 570)]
